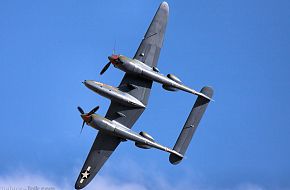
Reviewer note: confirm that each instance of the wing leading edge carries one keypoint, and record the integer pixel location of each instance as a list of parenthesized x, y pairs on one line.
[(148, 52)]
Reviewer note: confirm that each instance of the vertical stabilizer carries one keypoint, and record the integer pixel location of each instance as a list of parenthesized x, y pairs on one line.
[(191, 125)]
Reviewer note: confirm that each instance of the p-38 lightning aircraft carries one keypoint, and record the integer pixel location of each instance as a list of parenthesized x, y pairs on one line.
[(129, 100)]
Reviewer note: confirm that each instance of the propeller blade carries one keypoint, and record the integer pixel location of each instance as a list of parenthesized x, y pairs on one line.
[(105, 68), (94, 110), (82, 126), (81, 110)]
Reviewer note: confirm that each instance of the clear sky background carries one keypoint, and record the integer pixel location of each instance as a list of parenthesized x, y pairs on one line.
[(240, 48)]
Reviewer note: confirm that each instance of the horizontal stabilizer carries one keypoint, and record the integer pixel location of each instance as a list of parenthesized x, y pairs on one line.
[(190, 125)]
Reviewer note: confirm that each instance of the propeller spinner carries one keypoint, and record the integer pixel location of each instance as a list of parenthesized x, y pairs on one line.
[(87, 116)]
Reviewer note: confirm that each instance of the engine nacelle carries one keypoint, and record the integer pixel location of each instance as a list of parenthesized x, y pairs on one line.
[(174, 78), (147, 136)]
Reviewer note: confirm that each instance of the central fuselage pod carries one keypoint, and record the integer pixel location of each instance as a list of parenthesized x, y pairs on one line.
[(113, 93)]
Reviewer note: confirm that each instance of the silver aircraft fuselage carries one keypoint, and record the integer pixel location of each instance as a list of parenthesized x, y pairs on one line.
[(137, 67), (117, 129), (113, 93)]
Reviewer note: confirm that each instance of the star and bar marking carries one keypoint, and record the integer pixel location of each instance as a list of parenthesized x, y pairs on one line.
[(85, 174)]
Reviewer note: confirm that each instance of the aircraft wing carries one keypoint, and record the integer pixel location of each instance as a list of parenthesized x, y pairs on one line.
[(149, 49), (140, 88), (102, 148)]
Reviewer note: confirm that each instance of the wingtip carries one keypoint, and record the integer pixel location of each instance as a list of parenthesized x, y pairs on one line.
[(164, 5), (77, 186)]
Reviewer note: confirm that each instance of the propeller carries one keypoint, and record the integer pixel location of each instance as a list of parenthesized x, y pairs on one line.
[(83, 114), (111, 58), (114, 59)]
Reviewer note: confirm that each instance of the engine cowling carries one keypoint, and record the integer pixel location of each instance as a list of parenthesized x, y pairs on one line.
[(174, 78), (147, 136)]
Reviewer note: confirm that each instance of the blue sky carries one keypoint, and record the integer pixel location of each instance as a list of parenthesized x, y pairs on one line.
[(240, 48)]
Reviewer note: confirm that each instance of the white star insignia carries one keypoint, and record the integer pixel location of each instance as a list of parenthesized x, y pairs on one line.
[(85, 175)]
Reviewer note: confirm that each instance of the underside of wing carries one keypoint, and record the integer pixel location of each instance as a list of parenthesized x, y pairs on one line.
[(125, 115), (136, 86), (149, 49), (104, 145)]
